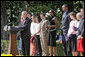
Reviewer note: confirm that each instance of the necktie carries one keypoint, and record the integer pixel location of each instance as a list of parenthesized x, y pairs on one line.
[(23, 21), (82, 17)]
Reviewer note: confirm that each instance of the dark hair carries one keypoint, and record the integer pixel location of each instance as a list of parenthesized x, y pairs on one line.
[(38, 18), (42, 14), (29, 13), (65, 5), (73, 14), (51, 11)]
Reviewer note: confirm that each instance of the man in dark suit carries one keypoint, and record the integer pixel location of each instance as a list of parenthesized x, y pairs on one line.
[(25, 34), (65, 25)]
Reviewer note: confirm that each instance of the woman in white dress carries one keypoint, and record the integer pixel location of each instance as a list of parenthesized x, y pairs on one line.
[(32, 44)]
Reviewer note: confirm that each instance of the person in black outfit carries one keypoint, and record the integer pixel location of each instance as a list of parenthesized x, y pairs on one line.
[(29, 15), (65, 25), (52, 33), (25, 34)]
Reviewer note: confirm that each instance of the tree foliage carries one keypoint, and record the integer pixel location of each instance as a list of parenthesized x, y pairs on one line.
[(37, 7)]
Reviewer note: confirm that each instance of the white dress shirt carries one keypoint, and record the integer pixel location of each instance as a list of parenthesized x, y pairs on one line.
[(37, 28), (32, 28)]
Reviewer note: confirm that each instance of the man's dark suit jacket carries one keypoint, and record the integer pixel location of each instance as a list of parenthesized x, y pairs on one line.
[(25, 33), (65, 22)]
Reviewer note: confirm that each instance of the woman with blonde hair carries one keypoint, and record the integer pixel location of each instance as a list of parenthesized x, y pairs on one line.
[(80, 32), (32, 40)]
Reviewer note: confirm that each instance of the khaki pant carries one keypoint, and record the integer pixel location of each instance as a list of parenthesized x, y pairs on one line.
[(44, 46)]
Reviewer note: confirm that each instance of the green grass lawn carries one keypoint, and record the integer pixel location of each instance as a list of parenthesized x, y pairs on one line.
[(4, 47)]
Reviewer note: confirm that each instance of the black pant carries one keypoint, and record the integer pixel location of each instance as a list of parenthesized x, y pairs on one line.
[(72, 44), (26, 46), (69, 48), (38, 46), (64, 43), (65, 46)]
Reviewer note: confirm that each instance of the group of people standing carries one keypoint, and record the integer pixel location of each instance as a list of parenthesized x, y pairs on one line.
[(38, 36), (41, 34), (72, 30)]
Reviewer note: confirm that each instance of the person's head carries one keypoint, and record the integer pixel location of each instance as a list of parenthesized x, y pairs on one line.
[(78, 16), (24, 14), (64, 7), (37, 19), (82, 12), (51, 12), (29, 15), (42, 16), (73, 15), (33, 18)]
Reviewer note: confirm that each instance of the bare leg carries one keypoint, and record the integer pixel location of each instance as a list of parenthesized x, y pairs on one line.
[(54, 50), (76, 53), (81, 54), (51, 50), (73, 53)]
